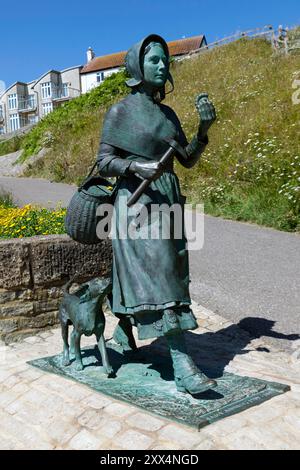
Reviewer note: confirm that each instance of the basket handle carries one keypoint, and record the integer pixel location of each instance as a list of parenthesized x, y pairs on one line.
[(88, 176)]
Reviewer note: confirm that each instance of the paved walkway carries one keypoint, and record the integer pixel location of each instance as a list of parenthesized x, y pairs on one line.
[(44, 411)]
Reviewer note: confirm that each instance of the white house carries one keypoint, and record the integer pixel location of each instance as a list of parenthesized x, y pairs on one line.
[(98, 68)]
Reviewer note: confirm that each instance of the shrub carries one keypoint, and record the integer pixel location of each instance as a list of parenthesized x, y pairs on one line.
[(10, 145), (6, 199), (28, 221)]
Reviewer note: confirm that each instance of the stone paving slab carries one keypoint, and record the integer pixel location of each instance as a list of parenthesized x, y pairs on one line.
[(44, 411)]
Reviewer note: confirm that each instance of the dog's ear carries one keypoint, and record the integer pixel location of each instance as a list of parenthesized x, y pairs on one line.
[(82, 293)]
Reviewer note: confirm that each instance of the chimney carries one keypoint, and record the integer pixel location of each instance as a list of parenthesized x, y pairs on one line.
[(90, 54)]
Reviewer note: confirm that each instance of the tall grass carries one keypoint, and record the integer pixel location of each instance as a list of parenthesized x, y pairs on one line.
[(10, 145), (251, 168)]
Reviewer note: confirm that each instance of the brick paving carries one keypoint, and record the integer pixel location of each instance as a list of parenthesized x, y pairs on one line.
[(39, 410)]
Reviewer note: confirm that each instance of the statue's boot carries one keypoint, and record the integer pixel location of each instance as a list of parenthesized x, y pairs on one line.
[(188, 378), (123, 338), (123, 335)]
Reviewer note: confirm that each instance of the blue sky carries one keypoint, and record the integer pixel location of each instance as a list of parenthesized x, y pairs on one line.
[(37, 36)]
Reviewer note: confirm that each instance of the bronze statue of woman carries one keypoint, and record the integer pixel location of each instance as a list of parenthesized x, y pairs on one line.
[(150, 277)]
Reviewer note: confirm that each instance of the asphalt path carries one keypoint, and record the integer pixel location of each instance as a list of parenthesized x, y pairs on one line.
[(37, 191), (246, 273), (250, 274)]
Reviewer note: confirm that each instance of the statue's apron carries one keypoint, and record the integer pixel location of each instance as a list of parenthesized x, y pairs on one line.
[(150, 269)]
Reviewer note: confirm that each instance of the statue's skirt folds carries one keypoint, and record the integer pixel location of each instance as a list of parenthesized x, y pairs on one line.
[(150, 272)]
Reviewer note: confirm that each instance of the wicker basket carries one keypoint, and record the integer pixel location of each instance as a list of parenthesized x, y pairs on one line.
[(81, 219)]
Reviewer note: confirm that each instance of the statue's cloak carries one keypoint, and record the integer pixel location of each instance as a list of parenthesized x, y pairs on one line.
[(142, 127)]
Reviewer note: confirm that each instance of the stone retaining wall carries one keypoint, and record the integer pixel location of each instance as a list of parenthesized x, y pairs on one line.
[(32, 272)]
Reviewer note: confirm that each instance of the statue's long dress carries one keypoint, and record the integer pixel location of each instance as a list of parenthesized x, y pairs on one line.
[(148, 275)]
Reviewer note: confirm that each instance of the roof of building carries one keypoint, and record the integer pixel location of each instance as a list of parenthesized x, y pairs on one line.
[(11, 86), (71, 68), (176, 48), (184, 46), (44, 74), (105, 62)]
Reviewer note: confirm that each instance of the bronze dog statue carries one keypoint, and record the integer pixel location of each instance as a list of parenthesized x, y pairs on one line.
[(83, 310)]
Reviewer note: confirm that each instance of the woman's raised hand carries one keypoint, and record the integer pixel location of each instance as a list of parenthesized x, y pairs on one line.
[(206, 112), (151, 170)]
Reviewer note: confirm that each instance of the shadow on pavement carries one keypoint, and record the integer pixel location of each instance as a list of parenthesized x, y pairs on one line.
[(213, 351)]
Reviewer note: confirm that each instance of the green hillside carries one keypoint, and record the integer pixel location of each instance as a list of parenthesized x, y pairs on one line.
[(251, 168)]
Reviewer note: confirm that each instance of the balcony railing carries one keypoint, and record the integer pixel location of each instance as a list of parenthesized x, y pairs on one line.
[(60, 93), (27, 105), (64, 93)]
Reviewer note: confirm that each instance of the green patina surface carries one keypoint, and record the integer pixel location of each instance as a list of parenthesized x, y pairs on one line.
[(147, 382)]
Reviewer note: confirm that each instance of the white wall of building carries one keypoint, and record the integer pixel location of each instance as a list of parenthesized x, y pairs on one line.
[(89, 80), (72, 77)]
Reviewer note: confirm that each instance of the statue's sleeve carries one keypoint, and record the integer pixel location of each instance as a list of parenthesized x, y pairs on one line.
[(109, 157), (180, 135), (193, 149), (110, 163)]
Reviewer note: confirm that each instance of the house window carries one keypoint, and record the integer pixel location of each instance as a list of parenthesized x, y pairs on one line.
[(14, 122), (31, 101), (1, 130), (100, 76), (46, 90), (23, 121), (1, 112), (22, 102), (64, 90), (47, 108), (32, 119), (13, 101)]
